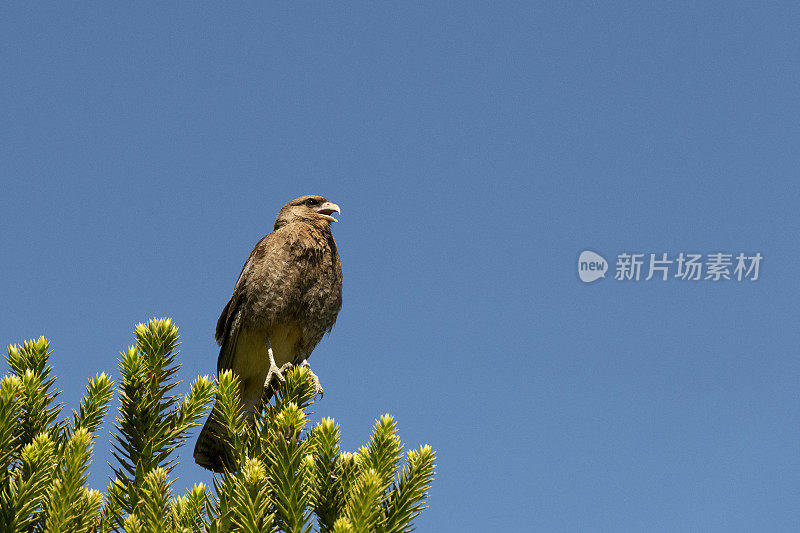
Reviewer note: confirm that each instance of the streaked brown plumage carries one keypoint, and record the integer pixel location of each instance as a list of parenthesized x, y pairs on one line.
[(287, 297)]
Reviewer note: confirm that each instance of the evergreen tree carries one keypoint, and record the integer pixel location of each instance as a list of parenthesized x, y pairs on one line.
[(287, 476)]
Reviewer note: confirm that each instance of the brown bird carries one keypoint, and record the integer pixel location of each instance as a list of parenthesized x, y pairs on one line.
[(286, 298)]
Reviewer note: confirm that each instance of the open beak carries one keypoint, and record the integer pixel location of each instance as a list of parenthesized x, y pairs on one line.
[(327, 209)]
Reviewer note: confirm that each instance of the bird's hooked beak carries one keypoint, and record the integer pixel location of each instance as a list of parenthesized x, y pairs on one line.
[(327, 209)]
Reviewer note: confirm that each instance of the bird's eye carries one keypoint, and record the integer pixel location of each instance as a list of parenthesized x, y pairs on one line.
[(312, 201)]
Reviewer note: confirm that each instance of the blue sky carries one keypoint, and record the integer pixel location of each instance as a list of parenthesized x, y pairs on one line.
[(475, 150)]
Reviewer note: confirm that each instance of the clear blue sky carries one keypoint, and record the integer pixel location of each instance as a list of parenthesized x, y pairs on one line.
[(475, 149)]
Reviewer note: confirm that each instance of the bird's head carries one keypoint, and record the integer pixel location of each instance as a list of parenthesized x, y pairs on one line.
[(310, 208)]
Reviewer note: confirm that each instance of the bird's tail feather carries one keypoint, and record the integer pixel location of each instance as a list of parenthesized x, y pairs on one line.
[(211, 450)]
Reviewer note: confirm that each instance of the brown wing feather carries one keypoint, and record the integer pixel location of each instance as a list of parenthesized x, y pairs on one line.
[(259, 281), (227, 328), (222, 323), (228, 312)]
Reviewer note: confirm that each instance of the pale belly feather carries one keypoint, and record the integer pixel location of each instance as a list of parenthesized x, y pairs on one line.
[(251, 362)]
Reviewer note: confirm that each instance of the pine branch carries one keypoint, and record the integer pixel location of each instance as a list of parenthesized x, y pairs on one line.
[(154, 506), (23, 498), (326, 497), (383, 452), (152, 423), (406, 500), (87, 512), (188, 511), (343, 525), (284, 458), (251, 502), (227, 409), (298, 388), (347, 473), (112, 506), (218, 508), (10, 413), (68, 483), (29, 363), (364, 504), (94, 405)]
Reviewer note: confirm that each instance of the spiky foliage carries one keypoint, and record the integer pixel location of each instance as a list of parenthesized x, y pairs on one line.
[(152, 422), (310, 484), (287, 476), (39, 410), (44, 460)]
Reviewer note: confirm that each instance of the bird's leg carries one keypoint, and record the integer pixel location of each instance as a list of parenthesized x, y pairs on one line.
[(273, 368), (317, 385)]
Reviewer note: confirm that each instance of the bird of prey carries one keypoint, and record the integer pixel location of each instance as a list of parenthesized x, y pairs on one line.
[(286, 298)]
